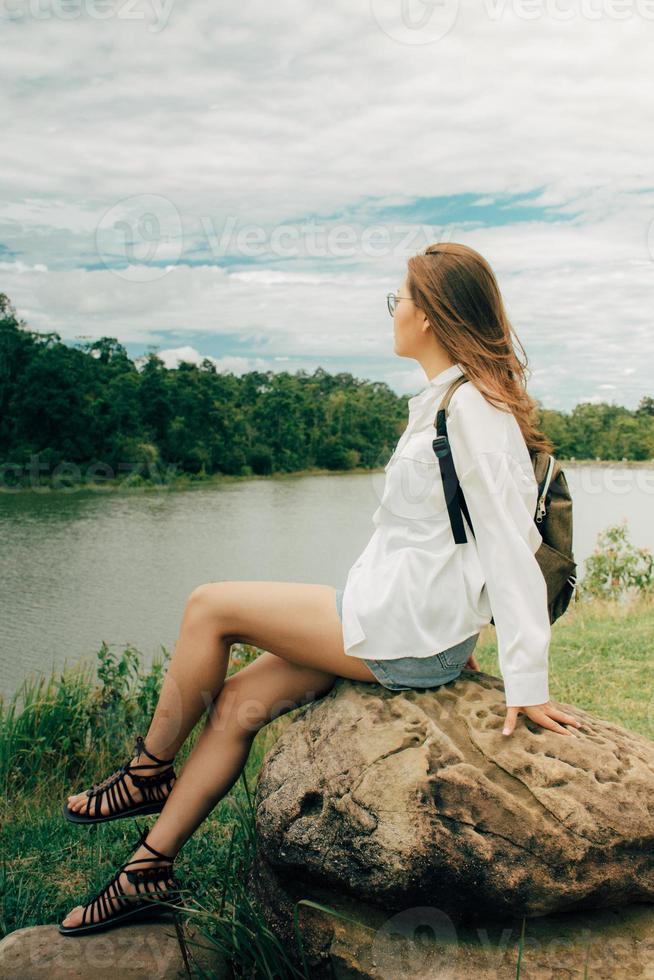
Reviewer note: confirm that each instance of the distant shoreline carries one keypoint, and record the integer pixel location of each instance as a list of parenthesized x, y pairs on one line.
[(189, 481)]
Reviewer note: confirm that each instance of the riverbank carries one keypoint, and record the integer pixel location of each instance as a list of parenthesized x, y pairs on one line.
[(136, 482), (70, 731)]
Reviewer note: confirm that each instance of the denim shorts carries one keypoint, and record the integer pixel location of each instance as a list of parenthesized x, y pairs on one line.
[(403, 673)]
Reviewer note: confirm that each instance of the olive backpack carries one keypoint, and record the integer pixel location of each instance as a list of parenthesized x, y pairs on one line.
[(553, 515)]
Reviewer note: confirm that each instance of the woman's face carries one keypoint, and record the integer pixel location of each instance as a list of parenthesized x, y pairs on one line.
[(408, 324)]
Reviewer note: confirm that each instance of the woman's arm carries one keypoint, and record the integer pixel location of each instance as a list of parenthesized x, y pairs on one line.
[(499, 487), (497, 492)]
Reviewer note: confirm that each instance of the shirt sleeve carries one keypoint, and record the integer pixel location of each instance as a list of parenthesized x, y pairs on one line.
[(499, 492)]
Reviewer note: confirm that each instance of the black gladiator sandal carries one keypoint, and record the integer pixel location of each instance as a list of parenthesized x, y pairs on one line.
[(155, 789), (156, 890)]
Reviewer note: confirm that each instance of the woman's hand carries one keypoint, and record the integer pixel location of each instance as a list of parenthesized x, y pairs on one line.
[(546, 715), (471, 663)]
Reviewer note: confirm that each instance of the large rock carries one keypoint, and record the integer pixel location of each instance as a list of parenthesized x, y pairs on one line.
[(138, 951), (393, 801)]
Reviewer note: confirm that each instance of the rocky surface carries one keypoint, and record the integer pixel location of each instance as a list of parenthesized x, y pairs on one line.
[(139, 951), (386, 802), (423, 943)]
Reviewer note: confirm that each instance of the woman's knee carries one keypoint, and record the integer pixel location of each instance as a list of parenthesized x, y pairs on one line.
[(207, 600), (238, 709), (262, 691)]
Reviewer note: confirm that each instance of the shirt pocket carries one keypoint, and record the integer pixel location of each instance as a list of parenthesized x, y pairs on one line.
[(413, 489)]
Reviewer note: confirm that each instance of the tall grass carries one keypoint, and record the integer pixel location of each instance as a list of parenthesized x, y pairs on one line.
[(63, 733), (62, 726)]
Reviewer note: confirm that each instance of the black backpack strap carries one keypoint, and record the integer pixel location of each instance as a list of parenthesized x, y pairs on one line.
[(464, 507), (456, 502), (450, 480), (451, 486)]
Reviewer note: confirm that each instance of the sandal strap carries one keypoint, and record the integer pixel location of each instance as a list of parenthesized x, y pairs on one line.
[(157, 873), (142, 842), (108, 902), (162, 876), (116, 790), (140, 749), (112, 899), (151, 781), (154, 874)]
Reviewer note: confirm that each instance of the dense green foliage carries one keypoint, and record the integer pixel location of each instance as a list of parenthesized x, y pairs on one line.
[(616, 568), (92, 407), (89, 412)]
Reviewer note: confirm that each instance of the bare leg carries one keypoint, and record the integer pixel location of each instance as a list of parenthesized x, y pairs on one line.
[(249, 700), (194, 676), (300, 627), (296, 620)]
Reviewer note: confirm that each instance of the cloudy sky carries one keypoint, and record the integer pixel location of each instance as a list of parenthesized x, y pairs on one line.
[(245, 182)]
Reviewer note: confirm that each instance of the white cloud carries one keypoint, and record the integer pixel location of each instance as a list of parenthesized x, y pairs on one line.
[(172, 357), (20, 268)]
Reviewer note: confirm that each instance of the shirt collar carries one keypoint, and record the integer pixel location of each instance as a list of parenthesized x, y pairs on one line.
[(435, 386)]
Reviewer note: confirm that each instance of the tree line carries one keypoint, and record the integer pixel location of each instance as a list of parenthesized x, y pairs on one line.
[(91, 404)]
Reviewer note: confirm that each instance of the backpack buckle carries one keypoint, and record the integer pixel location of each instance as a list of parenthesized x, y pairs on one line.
[(441, 445)]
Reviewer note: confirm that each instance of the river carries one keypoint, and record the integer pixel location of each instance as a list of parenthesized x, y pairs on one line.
[(83, 566)]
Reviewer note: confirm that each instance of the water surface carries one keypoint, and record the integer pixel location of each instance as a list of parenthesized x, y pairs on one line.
[(85, 566)]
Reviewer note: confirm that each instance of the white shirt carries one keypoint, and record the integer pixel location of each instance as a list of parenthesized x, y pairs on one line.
[(413, 591)]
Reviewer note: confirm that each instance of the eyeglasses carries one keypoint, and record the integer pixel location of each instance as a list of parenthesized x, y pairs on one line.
[(392, 299)]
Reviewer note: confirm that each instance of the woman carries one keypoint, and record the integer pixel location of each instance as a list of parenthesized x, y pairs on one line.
[(412, 605)]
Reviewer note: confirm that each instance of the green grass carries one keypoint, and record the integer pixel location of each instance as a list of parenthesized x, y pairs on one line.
[(601, 660), (67, 732)]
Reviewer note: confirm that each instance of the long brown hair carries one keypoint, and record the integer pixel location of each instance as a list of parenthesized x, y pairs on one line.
[(456, 289)]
